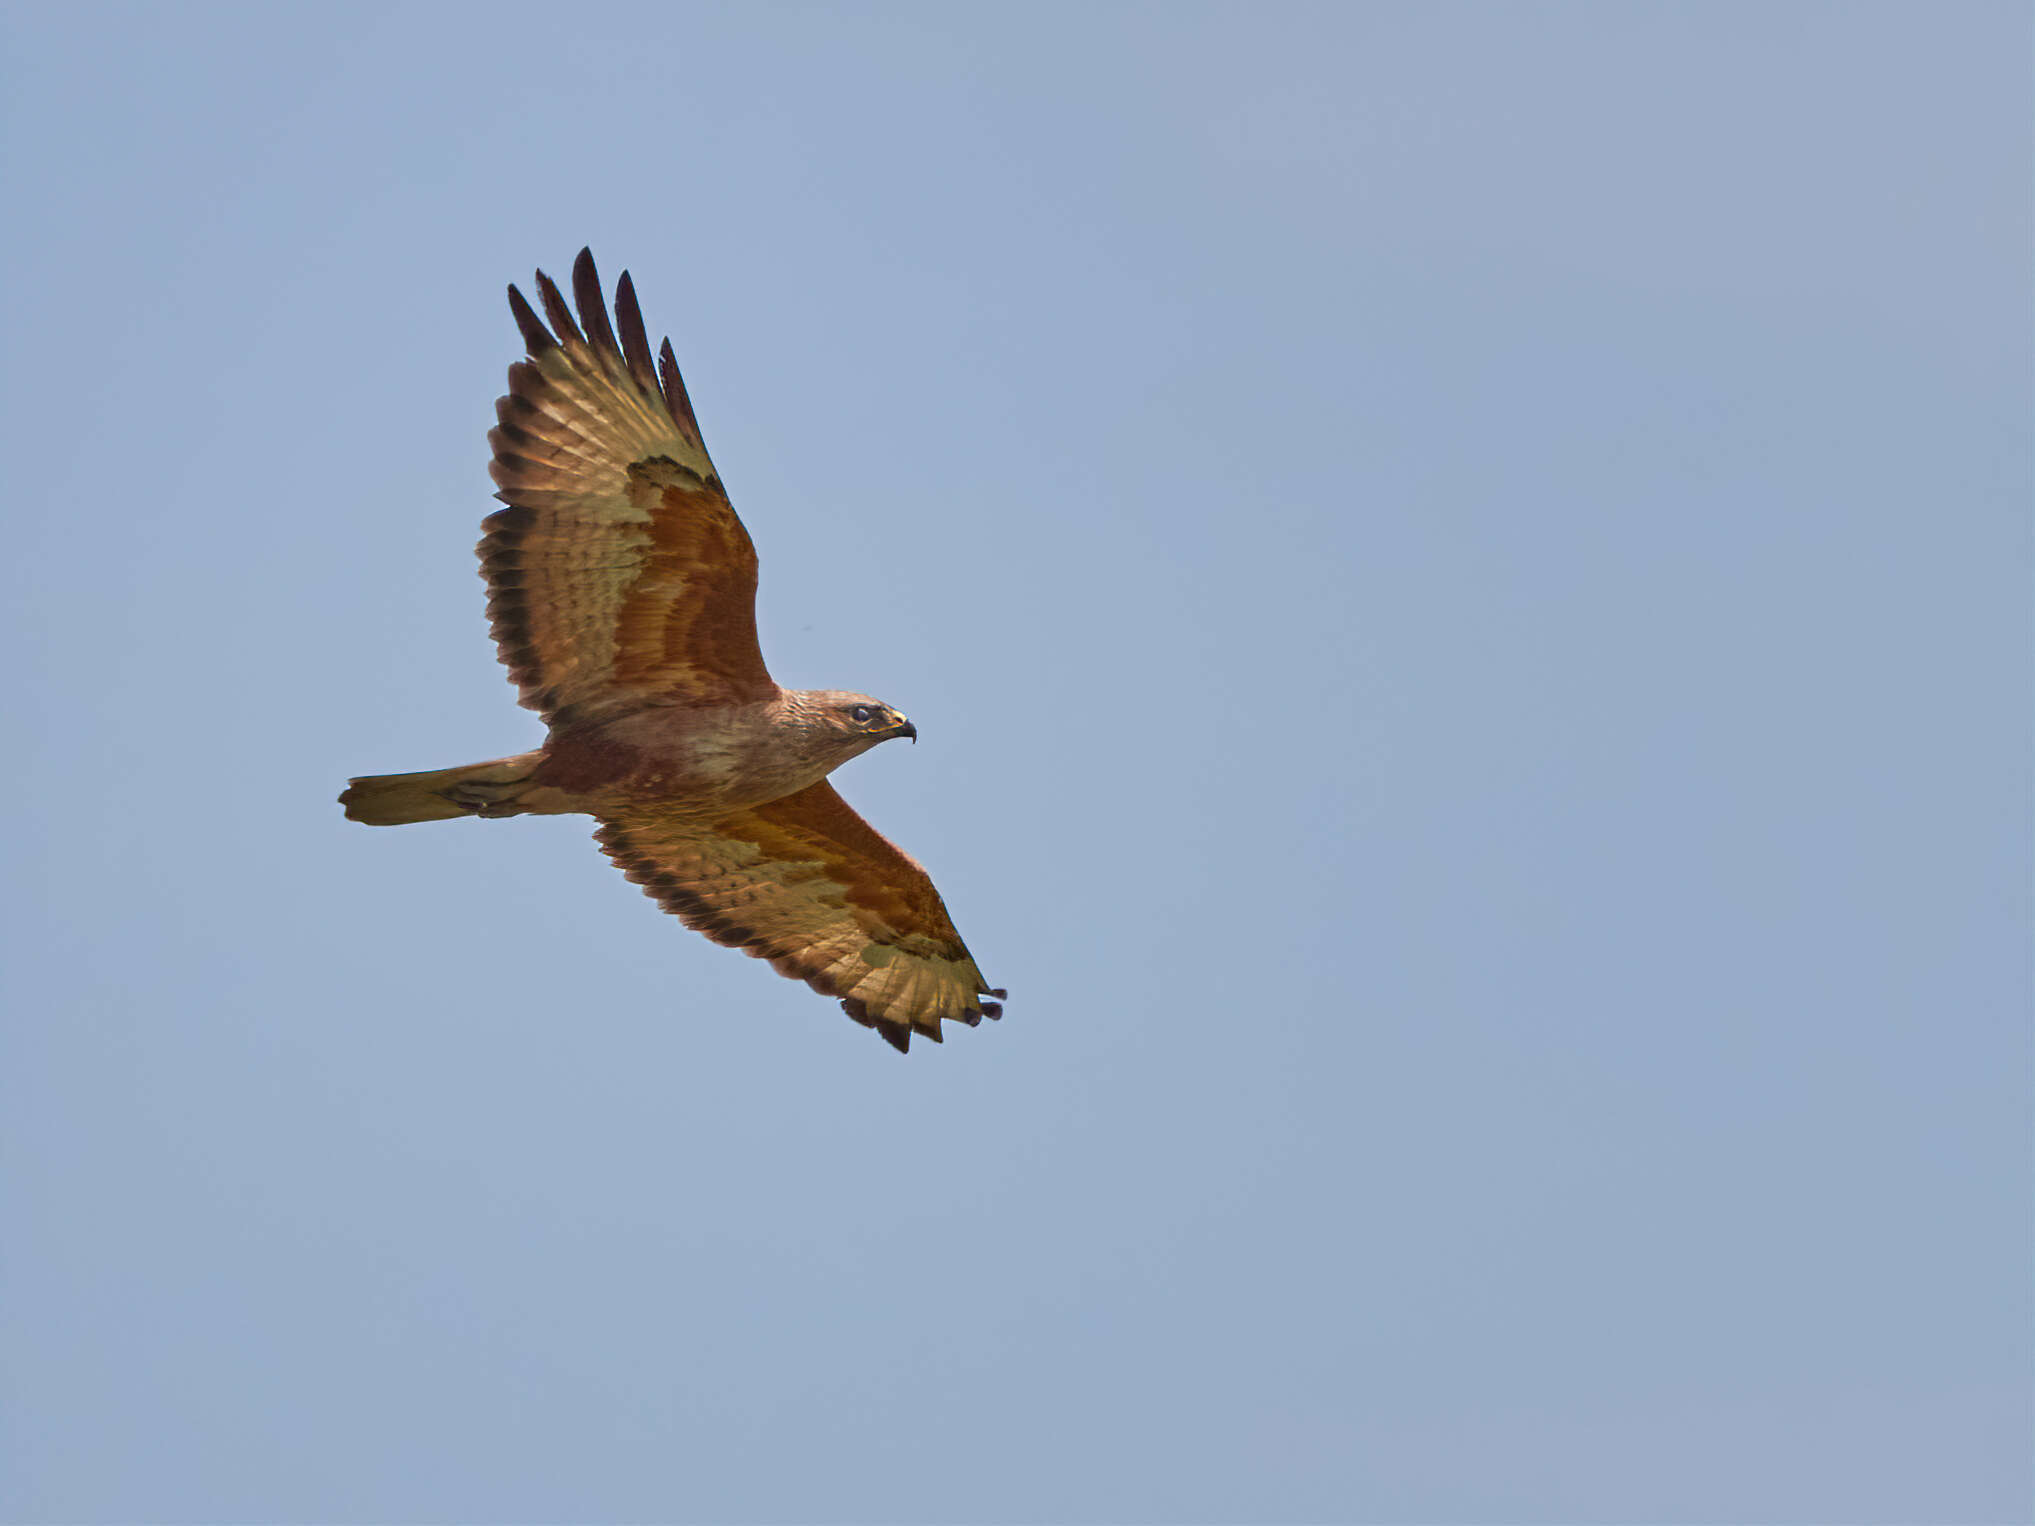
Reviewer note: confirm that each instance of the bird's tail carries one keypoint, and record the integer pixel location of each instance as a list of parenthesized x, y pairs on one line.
[(479, 789)]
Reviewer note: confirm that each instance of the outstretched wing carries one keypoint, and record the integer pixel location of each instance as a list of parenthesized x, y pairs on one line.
[(809, 885), (619, 575)]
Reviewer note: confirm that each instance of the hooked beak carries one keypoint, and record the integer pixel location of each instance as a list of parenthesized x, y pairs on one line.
[(904, 728)]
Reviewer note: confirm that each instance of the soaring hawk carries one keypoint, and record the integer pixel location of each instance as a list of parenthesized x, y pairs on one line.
[(622, 590)]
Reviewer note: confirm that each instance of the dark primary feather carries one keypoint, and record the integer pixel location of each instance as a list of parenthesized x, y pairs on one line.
[(593, 307), (635, 340), (556, 310), (536, 337), (674, 396)]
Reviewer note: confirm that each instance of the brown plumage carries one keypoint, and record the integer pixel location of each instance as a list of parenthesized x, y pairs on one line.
[(621, 593)]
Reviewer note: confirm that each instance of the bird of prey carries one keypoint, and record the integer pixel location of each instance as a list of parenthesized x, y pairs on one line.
[(622, 590)]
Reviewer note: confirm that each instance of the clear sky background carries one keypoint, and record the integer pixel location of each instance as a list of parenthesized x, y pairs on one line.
[(1462, 570)]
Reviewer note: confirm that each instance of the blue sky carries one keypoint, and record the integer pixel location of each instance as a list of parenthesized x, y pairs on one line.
[(1462, 571)]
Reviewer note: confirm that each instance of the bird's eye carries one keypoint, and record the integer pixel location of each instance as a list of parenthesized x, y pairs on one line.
[(860, 714)]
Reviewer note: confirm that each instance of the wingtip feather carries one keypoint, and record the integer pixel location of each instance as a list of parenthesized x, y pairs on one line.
[(562, 323), (635, 338), (593, 307), (675, 398), (536, 337)]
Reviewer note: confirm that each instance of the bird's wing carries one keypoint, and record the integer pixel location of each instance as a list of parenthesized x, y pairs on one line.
[(618, 575), (809, 885)]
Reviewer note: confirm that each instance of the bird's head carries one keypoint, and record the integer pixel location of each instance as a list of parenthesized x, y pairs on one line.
[(849, 724)]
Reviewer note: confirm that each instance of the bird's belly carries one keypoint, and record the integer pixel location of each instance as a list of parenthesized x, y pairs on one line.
[(696, 770)]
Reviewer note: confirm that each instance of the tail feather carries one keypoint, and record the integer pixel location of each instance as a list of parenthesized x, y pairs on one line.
[(476, 789)]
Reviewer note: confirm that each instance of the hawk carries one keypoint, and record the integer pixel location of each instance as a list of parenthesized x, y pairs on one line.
[(622, 596)]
